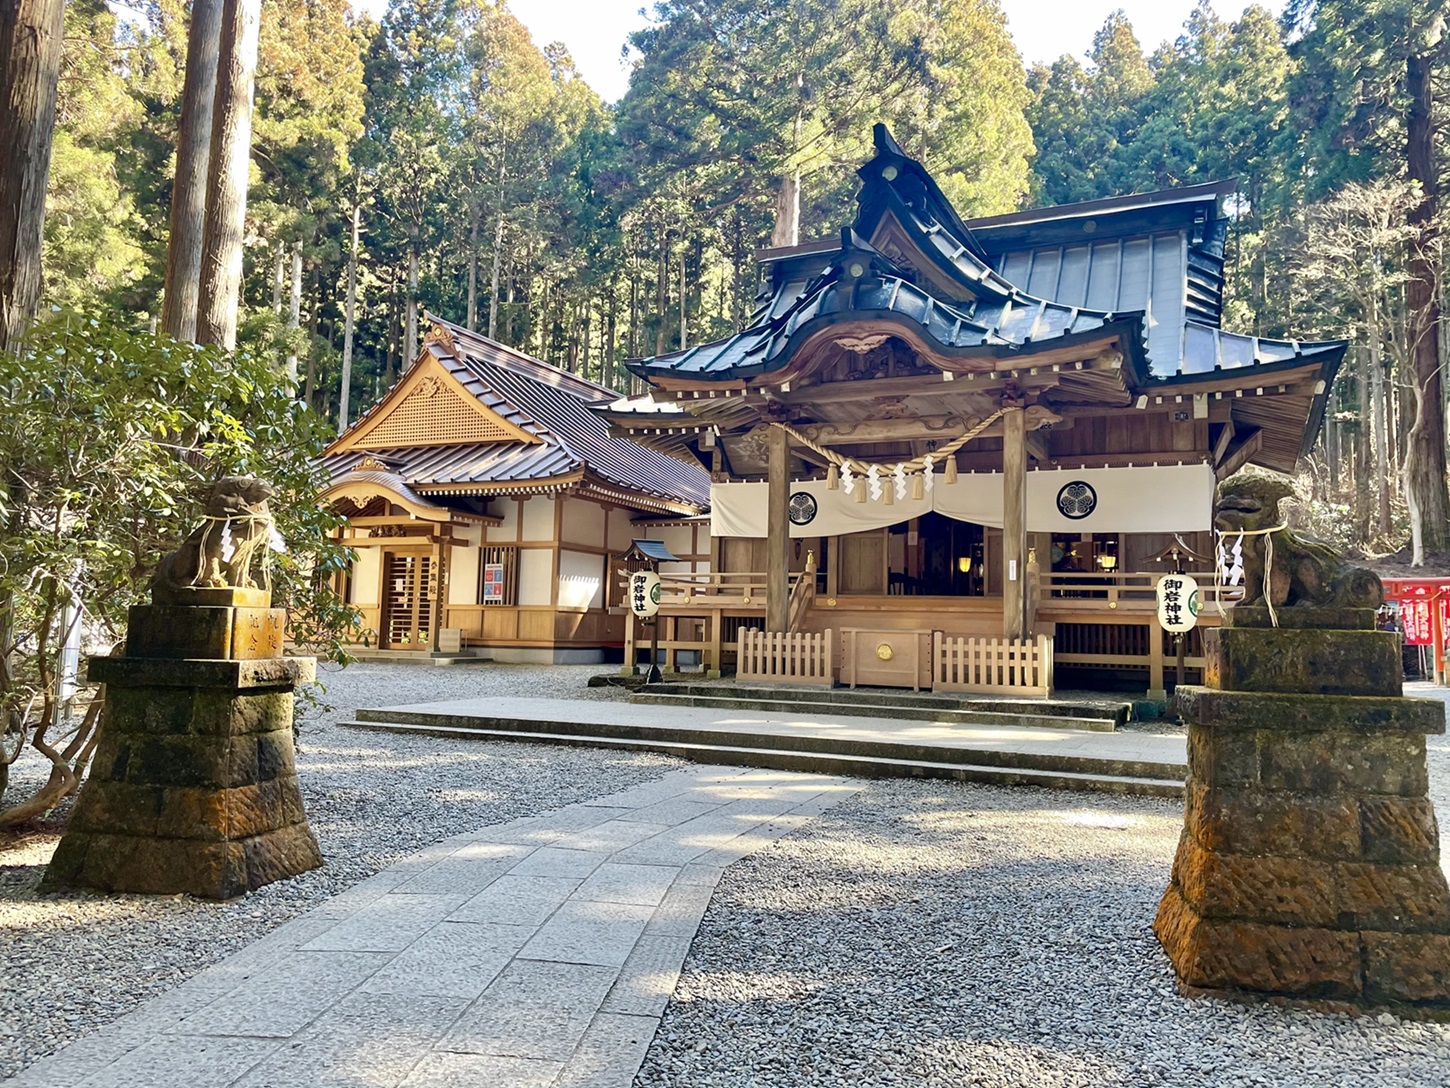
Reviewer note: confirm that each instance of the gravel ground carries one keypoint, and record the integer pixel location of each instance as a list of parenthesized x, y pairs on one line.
[(74, 962), (933, 933)]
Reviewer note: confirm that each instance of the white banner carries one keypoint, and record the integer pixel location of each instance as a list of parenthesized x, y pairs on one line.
[(1168, 499)]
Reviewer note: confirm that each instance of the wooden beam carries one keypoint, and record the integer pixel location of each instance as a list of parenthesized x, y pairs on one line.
[(1225, 438), (1241, 455), (1014, 525), (934, 385), (777, 532), (1037, 448)]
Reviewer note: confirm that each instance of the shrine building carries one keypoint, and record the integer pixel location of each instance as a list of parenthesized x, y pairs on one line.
[(485, 502), (1002, 430)]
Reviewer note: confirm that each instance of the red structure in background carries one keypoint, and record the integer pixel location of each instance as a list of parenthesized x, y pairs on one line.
[(1423, 604)]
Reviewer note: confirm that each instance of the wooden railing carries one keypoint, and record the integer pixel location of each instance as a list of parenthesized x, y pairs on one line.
[(785, 658), (1129, 591), (992, 666)]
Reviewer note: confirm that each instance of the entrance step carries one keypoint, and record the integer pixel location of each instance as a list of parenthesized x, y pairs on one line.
[(1058, 758), (907, 706)]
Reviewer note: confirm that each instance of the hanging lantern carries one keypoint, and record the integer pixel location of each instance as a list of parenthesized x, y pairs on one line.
[(833, 477), (951, 473)]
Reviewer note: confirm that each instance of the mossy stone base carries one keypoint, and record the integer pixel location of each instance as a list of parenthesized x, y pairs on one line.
[(193, 787), (1309, 865), (1302, 661)]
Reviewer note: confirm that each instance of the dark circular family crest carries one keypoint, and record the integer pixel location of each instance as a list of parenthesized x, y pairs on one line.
[(802, 508), (1077, 500)]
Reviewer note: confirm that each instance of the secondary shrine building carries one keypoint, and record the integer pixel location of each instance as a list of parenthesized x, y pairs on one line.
[(1005, 429), (486, 502)]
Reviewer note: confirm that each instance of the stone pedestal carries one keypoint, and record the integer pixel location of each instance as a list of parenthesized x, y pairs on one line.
[(1308, 868), (193, 787)]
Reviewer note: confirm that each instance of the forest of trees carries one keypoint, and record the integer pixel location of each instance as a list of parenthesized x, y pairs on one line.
[(441, 160)]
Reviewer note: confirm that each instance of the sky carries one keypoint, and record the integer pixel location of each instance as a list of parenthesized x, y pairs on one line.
[(594, 30)]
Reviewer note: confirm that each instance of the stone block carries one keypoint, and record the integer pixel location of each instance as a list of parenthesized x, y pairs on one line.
[(178, 631), (1391, 763), (1222, 758), (1301, 962), (193, 813), (280, 854), (178, 761), (1279, 891), (1263, 822), (1296, 712), (124, 808), (1411, 968), (276, 754), (1404, 898), (1399, 830), (1301, 762), (257, 633), (254, 810), (1301, 617), (276, 673), (1308, 661), (213, 597)]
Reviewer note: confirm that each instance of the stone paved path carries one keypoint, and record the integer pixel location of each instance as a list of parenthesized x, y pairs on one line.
[(534, 954)]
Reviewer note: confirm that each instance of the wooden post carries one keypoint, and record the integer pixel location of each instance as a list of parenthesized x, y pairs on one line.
[(1014, 523), (1157, 692), (440, 590), (777, 534), (630, 654)]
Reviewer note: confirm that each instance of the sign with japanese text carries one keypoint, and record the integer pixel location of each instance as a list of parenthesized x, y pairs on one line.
[(1417, 620), (493, 583), (1177, 603), (644, 592)]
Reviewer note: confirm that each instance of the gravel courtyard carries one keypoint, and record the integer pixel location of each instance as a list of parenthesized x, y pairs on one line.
[(920, 933)]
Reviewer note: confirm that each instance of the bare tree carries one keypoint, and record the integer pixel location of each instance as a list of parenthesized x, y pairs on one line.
[(193, 152), (226, 189), (31, 32), (350, 322)]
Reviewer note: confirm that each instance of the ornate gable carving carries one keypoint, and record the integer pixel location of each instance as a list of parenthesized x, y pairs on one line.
[(431, 408)]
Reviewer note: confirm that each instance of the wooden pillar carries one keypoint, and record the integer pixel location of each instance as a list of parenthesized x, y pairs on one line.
[(440, 589), (777, 533), (1014, 524)]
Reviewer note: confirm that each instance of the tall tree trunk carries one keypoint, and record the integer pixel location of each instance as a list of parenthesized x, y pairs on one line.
[(684, 298), (345, 389), (1425, 491), (226, 183), (472, 321), (1379, 415), (662, 294), (193, 151), (31, 32), (1362, 447), (410, 335), (294, 310), (787, 229), (1331, 444), (493, 278), (279, 276)]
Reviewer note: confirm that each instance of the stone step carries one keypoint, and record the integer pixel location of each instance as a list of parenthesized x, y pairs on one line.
[(742, 700), (1108, 710), (869, 765)]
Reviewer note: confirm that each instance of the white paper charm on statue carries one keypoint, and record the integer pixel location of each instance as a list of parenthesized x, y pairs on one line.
[(229, 547), (275, 541)]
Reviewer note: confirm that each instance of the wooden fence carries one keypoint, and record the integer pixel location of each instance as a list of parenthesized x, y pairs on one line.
[(800, 658), (992, 666)]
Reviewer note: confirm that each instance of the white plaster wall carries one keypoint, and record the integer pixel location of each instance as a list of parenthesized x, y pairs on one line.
[(621, 532), (506, 533), (583, 523), (539, 517), (581, 580), (365, 574), (536, 576), (679, 539), (463, 567)]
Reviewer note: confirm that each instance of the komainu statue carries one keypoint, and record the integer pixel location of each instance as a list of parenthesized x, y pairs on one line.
[(1303, 570), (223, 551)]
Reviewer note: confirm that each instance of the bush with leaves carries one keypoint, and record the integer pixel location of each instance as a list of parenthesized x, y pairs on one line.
[(108, 445)]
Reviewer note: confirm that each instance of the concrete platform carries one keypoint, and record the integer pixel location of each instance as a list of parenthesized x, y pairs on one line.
[(806, 740)]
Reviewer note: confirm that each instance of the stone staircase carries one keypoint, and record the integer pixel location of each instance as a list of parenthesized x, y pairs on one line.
[(1095, 715), (814, 737)]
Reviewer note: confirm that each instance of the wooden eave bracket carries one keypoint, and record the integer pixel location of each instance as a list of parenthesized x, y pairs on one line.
[(1239, 455)]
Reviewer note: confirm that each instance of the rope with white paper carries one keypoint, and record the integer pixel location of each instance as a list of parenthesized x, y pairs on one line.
[(1234, 573), (846, 469)]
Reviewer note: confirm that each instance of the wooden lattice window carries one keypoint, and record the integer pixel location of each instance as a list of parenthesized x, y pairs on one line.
[(498, 576)]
